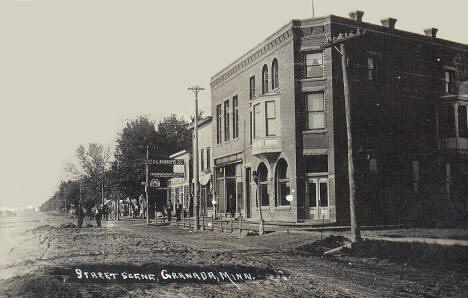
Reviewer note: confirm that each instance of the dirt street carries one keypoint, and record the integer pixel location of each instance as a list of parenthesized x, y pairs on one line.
[(45, 255)]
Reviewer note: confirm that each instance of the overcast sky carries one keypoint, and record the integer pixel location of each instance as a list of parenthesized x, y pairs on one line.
[(73, 71)]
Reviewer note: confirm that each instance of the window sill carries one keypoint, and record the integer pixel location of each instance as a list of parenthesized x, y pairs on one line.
[(449, 96), (230, 141), (322, 78), (315, 131)]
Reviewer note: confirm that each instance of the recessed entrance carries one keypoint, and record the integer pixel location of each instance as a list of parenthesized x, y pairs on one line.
[(317, 197)]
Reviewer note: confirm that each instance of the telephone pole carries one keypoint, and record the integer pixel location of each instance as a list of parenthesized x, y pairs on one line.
[(313, 9), (147, 184), (196, 199), (341, 39)]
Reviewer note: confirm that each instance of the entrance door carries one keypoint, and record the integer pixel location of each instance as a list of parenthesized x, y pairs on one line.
[(317, 193), (247, 195), (231, 195)]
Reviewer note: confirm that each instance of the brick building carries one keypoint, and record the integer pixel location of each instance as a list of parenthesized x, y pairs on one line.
[(279, 131)]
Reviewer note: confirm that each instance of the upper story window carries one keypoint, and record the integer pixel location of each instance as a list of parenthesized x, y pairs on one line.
[(447, 121), (226, 121), (274, 74), (202, 159), (265, 79), (235, 117), (372, 68), (315, 111), (218, 124), (251, 126), (270, 117), (256, 121), (415, 165), (314, 65), (462, 121), (252, 87), (449, 81)]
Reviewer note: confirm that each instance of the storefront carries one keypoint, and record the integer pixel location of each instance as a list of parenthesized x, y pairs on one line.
[(229, 186)]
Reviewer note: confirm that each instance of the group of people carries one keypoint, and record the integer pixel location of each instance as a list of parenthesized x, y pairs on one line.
[(169, 208), (97, 212)]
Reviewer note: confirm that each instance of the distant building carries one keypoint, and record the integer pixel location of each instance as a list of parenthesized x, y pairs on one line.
[(279, 125), (181, 189), (205, 165)]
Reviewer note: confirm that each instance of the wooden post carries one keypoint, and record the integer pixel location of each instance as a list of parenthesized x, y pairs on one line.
[(355, 232), (240, 225), (146, 186), (196, 200), (261, 230)]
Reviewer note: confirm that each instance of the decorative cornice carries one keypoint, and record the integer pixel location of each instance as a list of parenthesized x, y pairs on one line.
[(275, 41), (271, 44)]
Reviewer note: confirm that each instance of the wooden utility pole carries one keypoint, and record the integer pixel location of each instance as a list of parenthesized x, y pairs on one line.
[(147, 185), (355, 231), (313, 9), (196, 197)]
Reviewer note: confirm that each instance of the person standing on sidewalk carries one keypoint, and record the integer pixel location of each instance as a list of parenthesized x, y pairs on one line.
[(79, 215), (98, 215), (169, 210), (178, 210)]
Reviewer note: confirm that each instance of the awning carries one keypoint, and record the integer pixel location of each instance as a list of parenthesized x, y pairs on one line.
[(204, 179)]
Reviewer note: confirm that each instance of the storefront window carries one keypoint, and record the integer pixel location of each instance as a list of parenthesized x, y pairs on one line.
[(283, 186), (263, 181)]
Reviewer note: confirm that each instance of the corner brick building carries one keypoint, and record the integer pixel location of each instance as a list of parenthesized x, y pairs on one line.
[(279, 130)]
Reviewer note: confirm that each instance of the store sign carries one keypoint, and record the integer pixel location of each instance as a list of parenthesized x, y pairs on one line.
[(228, 159), (164, 162), (167, 175)]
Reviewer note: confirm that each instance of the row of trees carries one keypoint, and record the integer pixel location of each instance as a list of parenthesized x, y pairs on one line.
[(96, 175)]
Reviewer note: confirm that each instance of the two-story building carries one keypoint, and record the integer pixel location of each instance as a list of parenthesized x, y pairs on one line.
[(205, 160), (279, 131), (181, 188)]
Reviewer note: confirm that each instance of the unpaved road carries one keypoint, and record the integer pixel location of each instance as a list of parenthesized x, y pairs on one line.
[(39, 257)]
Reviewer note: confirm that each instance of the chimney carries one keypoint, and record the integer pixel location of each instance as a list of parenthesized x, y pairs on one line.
[(431, 32), (389, 22), (356, 15)]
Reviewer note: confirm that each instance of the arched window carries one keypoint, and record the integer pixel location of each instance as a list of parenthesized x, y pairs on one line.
[(263, 185), (282, 183), (265, 79), (274, 74)]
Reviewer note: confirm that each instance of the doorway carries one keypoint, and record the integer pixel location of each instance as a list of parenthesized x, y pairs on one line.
[(231, 196), (248, 189), (317, 195)]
